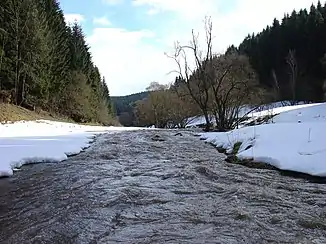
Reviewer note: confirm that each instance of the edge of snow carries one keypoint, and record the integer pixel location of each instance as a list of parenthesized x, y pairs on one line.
[(42, 141)]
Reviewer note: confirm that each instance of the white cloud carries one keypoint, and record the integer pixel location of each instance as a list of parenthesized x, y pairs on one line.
[(71, 18), (250, 16), (112, 2), (102, 21), (127, 62), (152, 11), (185, 8), (131, 60), (245, 17)]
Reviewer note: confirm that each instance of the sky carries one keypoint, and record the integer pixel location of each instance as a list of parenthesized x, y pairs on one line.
[(128, 39)]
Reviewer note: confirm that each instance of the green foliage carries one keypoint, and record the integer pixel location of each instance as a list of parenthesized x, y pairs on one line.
[(123, 107), (47, 64), (236, 148), (302, 32)]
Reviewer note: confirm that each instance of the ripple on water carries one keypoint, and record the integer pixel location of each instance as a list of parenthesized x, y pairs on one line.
[(128, 188)]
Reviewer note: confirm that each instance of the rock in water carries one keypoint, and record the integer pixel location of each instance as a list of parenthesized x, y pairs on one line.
[(157, 138)]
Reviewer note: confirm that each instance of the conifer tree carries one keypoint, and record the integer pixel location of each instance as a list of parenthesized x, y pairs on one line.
[(303, 31), (45, 63)]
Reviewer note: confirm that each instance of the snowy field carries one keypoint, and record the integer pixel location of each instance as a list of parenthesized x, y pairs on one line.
[(40, 141), (296, 140)]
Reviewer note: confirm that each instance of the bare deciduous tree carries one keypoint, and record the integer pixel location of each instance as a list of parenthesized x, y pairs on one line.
[(163, 108), (153, 110), (182, 108), (324, 90), (276, 92), (293, 65), (234, 84), (155, 86), (276, 86), (219, 84), (196, 79)]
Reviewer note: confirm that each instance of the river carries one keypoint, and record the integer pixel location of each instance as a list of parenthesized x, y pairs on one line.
[(158, 187)]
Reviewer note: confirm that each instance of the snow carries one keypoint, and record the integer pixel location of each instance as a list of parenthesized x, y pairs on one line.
[(197, 121), (261, 111), (294, 141), (311, 113), (278, 110), (27, 142)]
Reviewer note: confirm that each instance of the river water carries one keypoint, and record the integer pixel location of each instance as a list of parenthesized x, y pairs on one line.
[(156, 187)]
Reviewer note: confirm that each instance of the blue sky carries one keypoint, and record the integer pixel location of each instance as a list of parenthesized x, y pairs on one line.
[(122, 14), (128, 38)]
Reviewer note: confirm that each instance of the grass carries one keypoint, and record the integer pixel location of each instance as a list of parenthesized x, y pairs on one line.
[(13, 113), (260, 120), (233, 159), (250, 163), (10, 112), (111, 122), (236, 148)]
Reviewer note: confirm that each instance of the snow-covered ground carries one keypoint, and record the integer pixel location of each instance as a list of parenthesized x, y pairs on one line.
[(39, 141), (296, 140), (263, 110), (197, 121), (278, 110)]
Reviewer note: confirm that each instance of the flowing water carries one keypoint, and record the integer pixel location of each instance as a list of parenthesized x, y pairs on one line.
[(156, 187)]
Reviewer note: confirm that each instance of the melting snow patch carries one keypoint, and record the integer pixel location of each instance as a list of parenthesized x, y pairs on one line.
[(43, 141), (285, 144)]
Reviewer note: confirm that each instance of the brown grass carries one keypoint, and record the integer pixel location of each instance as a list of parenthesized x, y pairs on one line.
[(10, 112)]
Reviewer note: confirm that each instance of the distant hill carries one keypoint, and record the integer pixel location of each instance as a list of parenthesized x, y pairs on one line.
[(123, 107)]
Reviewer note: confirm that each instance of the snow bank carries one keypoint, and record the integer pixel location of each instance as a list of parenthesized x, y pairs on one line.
[(308, 113), (278, 110), (295, 141), (197, 121), (43, 141), (263, 110)]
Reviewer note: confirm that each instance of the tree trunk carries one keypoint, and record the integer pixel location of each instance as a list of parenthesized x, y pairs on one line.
[(208, 122), (292, 62), (1, 59), (216, 118), (17, 70), (20, 93)]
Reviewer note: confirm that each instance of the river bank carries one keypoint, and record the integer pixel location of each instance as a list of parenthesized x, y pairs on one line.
[(129, 188)]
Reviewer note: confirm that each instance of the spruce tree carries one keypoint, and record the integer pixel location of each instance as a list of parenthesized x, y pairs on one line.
[(45, 63)]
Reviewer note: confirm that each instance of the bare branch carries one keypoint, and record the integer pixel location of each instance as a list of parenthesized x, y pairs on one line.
[(292, 62)]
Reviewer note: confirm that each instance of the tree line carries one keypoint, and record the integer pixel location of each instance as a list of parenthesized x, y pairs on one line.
[(164, 108), (289, 56), (286, 61), (123, 107), (46, 64), (213, 85)]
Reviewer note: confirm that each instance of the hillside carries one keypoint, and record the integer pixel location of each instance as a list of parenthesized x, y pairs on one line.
[(123, 107), (10, 112), (46, 63), (289, 55)]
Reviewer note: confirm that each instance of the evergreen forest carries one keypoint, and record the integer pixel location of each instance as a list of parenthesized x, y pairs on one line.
[(289, 55), (46, 64)]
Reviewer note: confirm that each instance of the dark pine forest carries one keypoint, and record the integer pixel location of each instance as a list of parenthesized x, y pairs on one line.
[(46, 64), (289, 56)]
